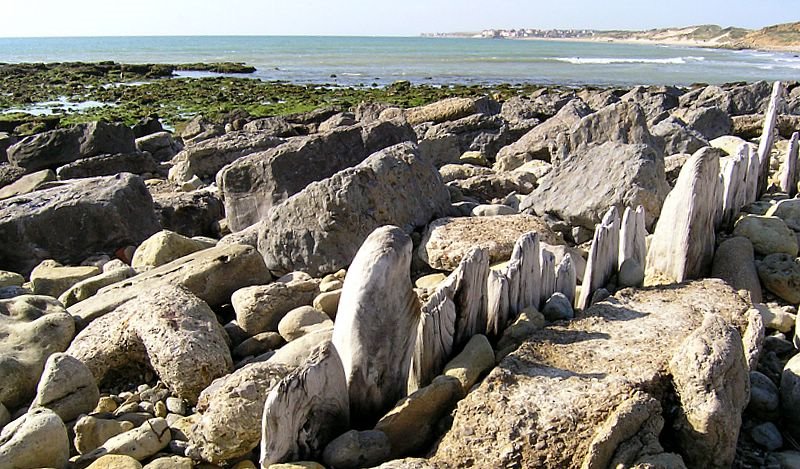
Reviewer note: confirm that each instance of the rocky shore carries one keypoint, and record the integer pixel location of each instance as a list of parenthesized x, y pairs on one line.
[(547, 278)]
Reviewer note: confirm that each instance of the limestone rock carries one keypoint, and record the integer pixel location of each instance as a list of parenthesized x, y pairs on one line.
[(204, 159), (228, 420), (790, 396), (473, 139), (258, 344), (711, 378), (67, 387), (633, 175), (776, 318), (536, 144), (677, 138), (789, 173), (787, 210), (769, 235), (33, 328), (376, 323), (603, 258), (306, 410), (252, 185), (567, 279), (10, 279), (170, 330), (356, 449), (710, 121), (164, 247), (170, 462), (37, 439), (302, 320), (27, 184), (195, 213), (780, 274), (320, 229), (212, 275), (474, 360), (108, 165), (87, 288), (328, 302), (113, 211), (104, 138), (91, 432), (623, 122), (577, 393), (410, 425), (260, 308), (159, 144), (735, 263), (768, 135), (139, 443), (683, 242), (52, 279), (492, 210), (46, 150), (446, 240)]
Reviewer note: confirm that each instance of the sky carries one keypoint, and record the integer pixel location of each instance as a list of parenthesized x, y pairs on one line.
[(46, 18)]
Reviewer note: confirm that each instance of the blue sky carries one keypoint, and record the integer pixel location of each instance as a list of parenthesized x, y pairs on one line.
[(24, 18)]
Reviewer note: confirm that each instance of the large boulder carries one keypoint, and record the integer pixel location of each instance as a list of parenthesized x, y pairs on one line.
[(711, 122), (67, 387), (212, 275), (623, 122), (633, 175), (204, 159), (37, 439), (195, 213), (445, 143), (674, 137), (105, 138), (92, 215), (450, 109), (538, 143), (588, 393), (33, 328), (320, 229), (159, 144), (46, 150), (109, 165), (251, 186), (169, 330), (447, 240)]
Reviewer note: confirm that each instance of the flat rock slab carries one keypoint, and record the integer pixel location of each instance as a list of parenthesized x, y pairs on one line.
[(580, 393), (447, 240), (72, 221)]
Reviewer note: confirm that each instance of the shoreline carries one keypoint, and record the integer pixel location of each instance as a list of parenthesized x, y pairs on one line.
[(656, 42)]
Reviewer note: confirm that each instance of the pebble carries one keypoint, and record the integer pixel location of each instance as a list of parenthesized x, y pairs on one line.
[(160, 409), (767, 435), (176, 405)]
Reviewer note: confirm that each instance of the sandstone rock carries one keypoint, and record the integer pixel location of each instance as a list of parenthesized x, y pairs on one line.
[(228, 419), (682, 247), (275, 126), (27, 184), (108, 165), (139, 443), (375, 326), (537, 143), (170, 462), (52, 279), (527, 322), (410, 425), (780, 274), (710, 375), (735, 263), (196, 213), (204, 159), (496, 186), (164, 247), (305, 410), (212, 275), (67, 387), (258, 344), (787, 210), (633, 175), (170, 330), (115, 461), (37, 439), (769, 235), (355, 449), (46, 150), (444, 110), (777, 318), (455, 172), (430, 281), (446, 240), (328, 302), (113, 212), (159, 144), (300, 321), (320, 229), (87, 288), (91, 432), (296, 465), (33, 327), (252, 185), (471, 363), (10, 279), (260, 308), (576, 393), (491, 210)]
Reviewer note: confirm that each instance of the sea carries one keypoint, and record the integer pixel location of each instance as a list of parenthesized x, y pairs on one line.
[(371, 61)]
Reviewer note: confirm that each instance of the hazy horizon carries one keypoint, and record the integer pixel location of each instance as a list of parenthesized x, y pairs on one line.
[(98, 18)]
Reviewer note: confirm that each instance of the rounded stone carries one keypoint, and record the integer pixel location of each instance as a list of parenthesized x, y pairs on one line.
[(430, 281), (780, 274), (790, 396), (764, 397), (328, 302), (492, 210), (558, 307), (769, 235), (302, 320), (115, 461), (357, 449), (767, 435), (631, 274)]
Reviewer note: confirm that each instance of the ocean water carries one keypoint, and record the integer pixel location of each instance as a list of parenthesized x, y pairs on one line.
[(441, 61)]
